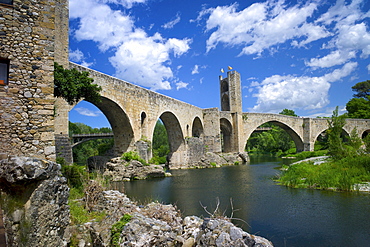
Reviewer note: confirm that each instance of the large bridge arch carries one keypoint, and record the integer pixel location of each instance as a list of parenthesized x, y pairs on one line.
[(294, 126), (120, 124), (295, 137), (226, 135), (175, 136), (197, 128)]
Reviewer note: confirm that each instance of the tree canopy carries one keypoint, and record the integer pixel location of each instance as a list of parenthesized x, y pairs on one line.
[(73, 85), (288, 112), (362, 89), (359, 107)]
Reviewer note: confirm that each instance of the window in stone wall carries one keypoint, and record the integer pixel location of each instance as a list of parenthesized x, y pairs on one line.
[(4, 71), (10, 2)]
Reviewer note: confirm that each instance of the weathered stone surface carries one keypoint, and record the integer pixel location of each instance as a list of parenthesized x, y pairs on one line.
[(34, 199), (120, 170), (27, 101), (161, 225)]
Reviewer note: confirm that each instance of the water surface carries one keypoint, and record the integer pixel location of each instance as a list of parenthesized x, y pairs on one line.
[(285, 216)]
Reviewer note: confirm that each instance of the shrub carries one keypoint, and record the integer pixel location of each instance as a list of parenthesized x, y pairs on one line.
[(132, 155), (117, 228)]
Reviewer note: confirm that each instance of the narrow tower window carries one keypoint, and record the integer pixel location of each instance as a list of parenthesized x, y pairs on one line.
[(9, 2), (4, 71)]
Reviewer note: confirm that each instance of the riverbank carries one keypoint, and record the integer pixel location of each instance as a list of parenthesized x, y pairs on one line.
[(349, 174), (118, 169), (130, 224)]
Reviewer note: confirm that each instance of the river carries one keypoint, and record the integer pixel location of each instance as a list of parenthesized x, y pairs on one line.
[(285, 216)]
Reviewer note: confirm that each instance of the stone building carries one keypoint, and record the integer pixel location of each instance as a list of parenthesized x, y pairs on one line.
[(30, 42)]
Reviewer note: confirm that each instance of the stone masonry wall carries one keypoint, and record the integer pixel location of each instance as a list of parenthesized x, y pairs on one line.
[(27, 38)]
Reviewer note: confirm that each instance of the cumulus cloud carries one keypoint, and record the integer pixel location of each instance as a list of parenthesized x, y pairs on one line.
[(86, 112), (278, 92), (139, 58), (261, 26), (334, 58)]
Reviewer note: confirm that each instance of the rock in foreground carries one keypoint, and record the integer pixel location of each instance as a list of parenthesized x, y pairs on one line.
[(161, 225)]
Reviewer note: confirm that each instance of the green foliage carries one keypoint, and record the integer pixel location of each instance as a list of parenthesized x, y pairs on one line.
[(117, 229), (367, 143), (76, 175), (161, 146), (358, 108), (213, 164), (288, 113), (132, 155), (73, 85), (336, 146), (275, 141), (340, 175), (308, 154), (362, 89), (91, 148)]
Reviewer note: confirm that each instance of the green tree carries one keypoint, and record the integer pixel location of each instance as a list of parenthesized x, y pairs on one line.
[(161, 147), (362, 89), (288, 112), (73, 85), (359, 106), (90, 148), (336, 147)]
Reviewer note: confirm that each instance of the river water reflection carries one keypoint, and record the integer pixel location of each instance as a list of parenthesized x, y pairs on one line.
[(285, 216)]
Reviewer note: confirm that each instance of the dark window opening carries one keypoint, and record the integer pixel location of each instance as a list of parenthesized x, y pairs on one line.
[(4, 71), (9, 2)]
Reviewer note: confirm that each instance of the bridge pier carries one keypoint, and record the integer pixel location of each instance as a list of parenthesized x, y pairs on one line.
[(307, 146), (63, 147)]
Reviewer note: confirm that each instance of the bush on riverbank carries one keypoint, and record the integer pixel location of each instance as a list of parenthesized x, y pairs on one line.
[(308, 154), (339, 175)]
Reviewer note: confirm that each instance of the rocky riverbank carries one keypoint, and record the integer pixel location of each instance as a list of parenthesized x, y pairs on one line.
[(120, 170), (156, 224)]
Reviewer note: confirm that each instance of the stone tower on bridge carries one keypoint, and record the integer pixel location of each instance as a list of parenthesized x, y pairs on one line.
[(231, 112)]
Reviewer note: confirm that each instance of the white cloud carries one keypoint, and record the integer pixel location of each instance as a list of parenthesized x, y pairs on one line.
[(368, 68), (261, 26), (86, 112), (334, 58), (195, 69), (172, 23), (77, 56), (278, 92), (181, 84), (138, 58)]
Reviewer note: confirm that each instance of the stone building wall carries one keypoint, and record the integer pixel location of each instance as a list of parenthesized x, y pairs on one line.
[(27, 40)]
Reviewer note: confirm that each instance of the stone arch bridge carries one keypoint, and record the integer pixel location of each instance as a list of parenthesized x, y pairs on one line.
[(133, 111)]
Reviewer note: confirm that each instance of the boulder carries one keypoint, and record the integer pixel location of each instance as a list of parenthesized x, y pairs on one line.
[(121, 170), (34, 200)]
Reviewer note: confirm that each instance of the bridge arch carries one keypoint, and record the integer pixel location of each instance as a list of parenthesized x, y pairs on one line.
[(365, 133), (197, 128), (291, 132), (120, 123), (226, 132), (175, 136)]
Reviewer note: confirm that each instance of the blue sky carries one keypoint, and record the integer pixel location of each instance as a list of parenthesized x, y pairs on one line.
[(299, 55)]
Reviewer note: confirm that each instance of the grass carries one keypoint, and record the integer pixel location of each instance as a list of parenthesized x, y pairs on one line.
[(117, 228), (308, 154), (339, 175)]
